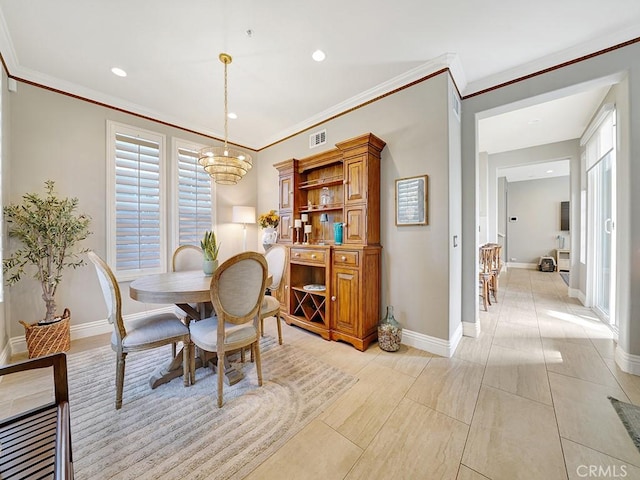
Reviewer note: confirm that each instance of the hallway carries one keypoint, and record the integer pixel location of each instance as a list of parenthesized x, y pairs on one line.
[(542, 396)]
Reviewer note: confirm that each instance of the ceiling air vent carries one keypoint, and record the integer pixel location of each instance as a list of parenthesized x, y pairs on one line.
[(317, 139)]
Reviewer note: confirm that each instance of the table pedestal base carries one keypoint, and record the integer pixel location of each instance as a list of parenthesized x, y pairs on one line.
[(231, 374), (170, 370)]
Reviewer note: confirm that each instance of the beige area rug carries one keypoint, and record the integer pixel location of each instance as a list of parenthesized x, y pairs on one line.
[(175, 432)]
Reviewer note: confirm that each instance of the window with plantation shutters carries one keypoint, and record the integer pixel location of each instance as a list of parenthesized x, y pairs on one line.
[(194, 201), (137, 244)]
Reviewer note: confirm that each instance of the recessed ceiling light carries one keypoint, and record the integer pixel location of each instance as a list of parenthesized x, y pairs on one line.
[(232, 116), (549, 171), (318, 55), (119, 72)]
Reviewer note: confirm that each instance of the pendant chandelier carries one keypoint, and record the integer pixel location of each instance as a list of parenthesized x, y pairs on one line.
[(225, 165)]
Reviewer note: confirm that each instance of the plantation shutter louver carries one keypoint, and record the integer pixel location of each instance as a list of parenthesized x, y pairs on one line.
[(137, 197), (194, 199)]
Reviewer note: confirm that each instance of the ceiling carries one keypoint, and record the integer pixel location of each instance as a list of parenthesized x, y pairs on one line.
[(170, 51), (535, 171)]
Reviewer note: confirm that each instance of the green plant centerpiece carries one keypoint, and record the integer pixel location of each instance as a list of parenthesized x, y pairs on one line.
[(210, 248), (49, 230)]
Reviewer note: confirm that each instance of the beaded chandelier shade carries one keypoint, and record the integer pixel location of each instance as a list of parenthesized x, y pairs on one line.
[(224, 164)]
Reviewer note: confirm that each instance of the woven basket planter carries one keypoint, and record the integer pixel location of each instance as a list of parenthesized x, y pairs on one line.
[(47, 339)]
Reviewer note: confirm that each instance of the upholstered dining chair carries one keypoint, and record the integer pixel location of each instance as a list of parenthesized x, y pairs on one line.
[(187, 257), (142, 334), (276, 258), (184, 258), (237, 290)]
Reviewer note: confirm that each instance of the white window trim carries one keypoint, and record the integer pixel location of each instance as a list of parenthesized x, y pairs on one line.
[(177, 143), (112, 129)]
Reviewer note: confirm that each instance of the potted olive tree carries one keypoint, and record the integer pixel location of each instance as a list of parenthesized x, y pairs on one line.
[(210, 248), (48, 229)]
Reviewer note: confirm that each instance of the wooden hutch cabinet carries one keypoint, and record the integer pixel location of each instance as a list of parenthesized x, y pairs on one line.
[(344, 184)]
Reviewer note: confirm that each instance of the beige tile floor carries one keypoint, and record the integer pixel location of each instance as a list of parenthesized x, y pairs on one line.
[(526, 400)]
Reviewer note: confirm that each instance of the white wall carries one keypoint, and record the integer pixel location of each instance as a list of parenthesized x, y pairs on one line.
[(568, 149), (4, 176), (57, 137), (415, 259), (598, 70), (536, 204)]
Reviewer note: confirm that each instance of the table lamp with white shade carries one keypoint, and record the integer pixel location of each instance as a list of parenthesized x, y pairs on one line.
[(243, 215)]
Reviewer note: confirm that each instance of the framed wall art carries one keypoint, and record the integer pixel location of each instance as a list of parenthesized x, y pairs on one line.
[(411, 200)]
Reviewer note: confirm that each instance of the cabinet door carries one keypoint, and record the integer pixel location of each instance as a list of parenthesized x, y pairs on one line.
[(355, 189), (355, 230), (285, 227), (282, 294), (345, 318), (286, 192)]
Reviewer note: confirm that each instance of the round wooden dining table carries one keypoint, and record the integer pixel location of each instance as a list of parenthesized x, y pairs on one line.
[(182, 289)]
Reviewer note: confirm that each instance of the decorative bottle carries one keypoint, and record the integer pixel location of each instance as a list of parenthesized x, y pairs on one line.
[(389, 332), (325, 196)]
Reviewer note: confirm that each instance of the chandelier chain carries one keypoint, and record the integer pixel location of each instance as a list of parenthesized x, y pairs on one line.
[(226, 108)]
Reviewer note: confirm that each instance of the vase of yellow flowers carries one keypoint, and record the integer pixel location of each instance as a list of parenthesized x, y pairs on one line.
[(269, 222)]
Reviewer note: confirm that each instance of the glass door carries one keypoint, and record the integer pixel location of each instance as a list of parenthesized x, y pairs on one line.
[(601, 183), (601, 160)]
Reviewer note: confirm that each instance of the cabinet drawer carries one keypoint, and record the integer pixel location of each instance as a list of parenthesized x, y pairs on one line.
[(307, 255), (342, 257)]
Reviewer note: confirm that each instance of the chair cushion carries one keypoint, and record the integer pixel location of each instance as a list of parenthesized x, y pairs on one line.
[(154, 328), (270, 306), (204, 333)]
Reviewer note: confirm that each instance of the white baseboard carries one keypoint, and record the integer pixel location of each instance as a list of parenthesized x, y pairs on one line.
[(19, 344), (5, 355), (627, 362), (577, 293), (528, 266), (471, 329), (437, 346)]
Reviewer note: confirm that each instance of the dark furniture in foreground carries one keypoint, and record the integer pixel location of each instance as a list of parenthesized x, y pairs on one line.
[(37, 444)]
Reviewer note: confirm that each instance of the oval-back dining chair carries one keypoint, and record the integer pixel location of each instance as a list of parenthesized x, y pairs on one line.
[(237, 290), (141, 334), (187, 257), (276, 258)]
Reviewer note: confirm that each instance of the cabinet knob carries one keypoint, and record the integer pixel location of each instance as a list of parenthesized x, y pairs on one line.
[(343, 258), (313, 256), (333, 298), (286, 287), (297, 255)]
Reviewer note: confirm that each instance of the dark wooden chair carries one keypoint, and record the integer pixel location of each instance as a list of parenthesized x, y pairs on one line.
[(37, 443)]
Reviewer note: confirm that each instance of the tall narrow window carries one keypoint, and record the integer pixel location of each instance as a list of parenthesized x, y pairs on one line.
[(193, 195), (194, 198), (136, 212)]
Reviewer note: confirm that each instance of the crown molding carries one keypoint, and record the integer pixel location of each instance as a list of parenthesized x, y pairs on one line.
[(446, 61), (569, 55)]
